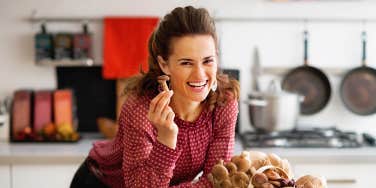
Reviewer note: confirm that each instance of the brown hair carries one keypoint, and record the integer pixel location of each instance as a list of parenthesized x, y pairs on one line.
[(181, 21)]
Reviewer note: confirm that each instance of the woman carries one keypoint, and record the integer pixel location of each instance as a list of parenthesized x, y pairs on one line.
[(166, 138)]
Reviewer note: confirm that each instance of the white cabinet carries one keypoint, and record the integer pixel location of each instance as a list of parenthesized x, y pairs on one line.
[(342, 175), (42, 175), (5, 176)]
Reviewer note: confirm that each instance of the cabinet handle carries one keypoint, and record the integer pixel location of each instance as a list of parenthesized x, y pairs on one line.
[(341, 181)]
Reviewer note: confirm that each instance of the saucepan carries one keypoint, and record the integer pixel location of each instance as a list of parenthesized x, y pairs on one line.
[(274, 110)]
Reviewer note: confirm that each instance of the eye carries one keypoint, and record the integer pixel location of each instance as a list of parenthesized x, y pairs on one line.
[(185, 63), (208, 61)]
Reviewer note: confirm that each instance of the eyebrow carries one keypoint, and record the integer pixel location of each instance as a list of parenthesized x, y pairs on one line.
[(188, 59)]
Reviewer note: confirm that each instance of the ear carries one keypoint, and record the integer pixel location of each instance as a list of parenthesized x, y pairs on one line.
[(163, 65)]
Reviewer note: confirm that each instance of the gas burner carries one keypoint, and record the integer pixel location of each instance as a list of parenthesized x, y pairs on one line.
[(304, 137)]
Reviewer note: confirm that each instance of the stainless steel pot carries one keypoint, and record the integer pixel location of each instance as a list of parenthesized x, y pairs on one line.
[(274, 110)]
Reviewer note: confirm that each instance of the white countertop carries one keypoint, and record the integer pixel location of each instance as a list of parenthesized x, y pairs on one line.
[(15, 153), (47, 152)]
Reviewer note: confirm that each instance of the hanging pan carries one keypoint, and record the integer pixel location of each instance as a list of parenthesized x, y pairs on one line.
[(309, 82), (358, 87)]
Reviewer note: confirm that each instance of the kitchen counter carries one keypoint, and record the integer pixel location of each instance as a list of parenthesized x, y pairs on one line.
[(25, 164), (41, 153), (15, 153)]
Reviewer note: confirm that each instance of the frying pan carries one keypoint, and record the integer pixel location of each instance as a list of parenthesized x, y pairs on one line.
[(358, 87), (309, 82)]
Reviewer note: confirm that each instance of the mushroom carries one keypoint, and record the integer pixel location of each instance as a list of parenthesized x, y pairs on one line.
[(240, 179), (231, 167), (226, 184), (274, 159), (285, 165), (219, 171), (275, 183), (213, 181), (241, 162), (267, 185), (162, 81), (259, 159), (252, 171), (272, 175), (309, 181), (258, 179)]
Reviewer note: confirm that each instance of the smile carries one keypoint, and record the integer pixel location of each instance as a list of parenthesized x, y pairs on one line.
[(198, 84)]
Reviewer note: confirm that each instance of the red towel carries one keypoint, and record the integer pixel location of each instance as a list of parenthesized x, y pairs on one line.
[(126, 45)]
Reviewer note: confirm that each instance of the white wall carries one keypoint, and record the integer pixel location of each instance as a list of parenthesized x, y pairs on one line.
[(332, 44)]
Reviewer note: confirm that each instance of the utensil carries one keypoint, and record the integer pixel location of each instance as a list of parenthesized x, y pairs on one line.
[(310, 82), (256, 70), (358, 86), (4, 127), (7, 103), (2, 107), (267, 110)]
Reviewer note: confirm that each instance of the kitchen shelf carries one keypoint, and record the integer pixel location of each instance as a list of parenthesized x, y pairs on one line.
[(218, 19), (67, 63), (64, 19), (283, 70)]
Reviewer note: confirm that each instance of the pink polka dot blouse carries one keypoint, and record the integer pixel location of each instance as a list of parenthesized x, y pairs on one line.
[(136, 159)]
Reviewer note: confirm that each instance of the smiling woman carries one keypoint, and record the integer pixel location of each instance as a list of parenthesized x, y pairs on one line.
[(166, 138), (192, 67)]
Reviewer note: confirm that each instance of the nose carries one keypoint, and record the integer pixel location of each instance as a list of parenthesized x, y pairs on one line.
[(199, 71)]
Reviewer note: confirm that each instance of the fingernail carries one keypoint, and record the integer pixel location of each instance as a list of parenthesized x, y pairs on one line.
[(171, 92)]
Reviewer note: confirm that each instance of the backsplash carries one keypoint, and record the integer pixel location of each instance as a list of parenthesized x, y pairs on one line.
[(332, 45)]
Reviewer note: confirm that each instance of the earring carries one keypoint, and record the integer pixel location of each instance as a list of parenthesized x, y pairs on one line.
[(214, 86)]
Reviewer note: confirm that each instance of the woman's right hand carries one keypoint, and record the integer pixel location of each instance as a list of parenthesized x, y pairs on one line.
[(162, 117)]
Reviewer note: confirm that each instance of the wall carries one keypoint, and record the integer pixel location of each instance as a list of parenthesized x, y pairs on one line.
[(332, 44)]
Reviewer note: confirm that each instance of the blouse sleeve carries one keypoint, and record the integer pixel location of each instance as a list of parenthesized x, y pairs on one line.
[(146, 162), (222, 143)]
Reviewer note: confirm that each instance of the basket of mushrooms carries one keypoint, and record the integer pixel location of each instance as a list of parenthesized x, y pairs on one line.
[(254, 169)]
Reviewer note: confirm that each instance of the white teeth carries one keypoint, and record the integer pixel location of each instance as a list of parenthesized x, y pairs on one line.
[(197, 84)]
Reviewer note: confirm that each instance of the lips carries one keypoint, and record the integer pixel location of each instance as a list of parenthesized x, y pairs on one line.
[(198, 83)]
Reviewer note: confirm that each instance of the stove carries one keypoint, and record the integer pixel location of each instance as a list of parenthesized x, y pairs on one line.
[(303, 137)]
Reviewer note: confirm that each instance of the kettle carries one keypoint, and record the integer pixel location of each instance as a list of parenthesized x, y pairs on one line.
[(274, 110)]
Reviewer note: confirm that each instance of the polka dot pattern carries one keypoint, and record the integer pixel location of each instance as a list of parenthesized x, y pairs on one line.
[(136, 159)]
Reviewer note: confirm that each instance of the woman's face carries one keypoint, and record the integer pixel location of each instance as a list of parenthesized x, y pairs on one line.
[(192, 66)]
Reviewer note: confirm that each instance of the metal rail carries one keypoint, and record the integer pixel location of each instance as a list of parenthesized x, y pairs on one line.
[(218, 19)]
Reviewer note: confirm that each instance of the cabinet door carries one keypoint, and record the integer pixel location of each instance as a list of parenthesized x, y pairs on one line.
[(4, 176), (340, 175), (43, 176)]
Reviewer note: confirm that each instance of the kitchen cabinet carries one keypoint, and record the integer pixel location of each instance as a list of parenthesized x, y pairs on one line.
[(342, 175), (42, 175), (5, 176), (42, 165)]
